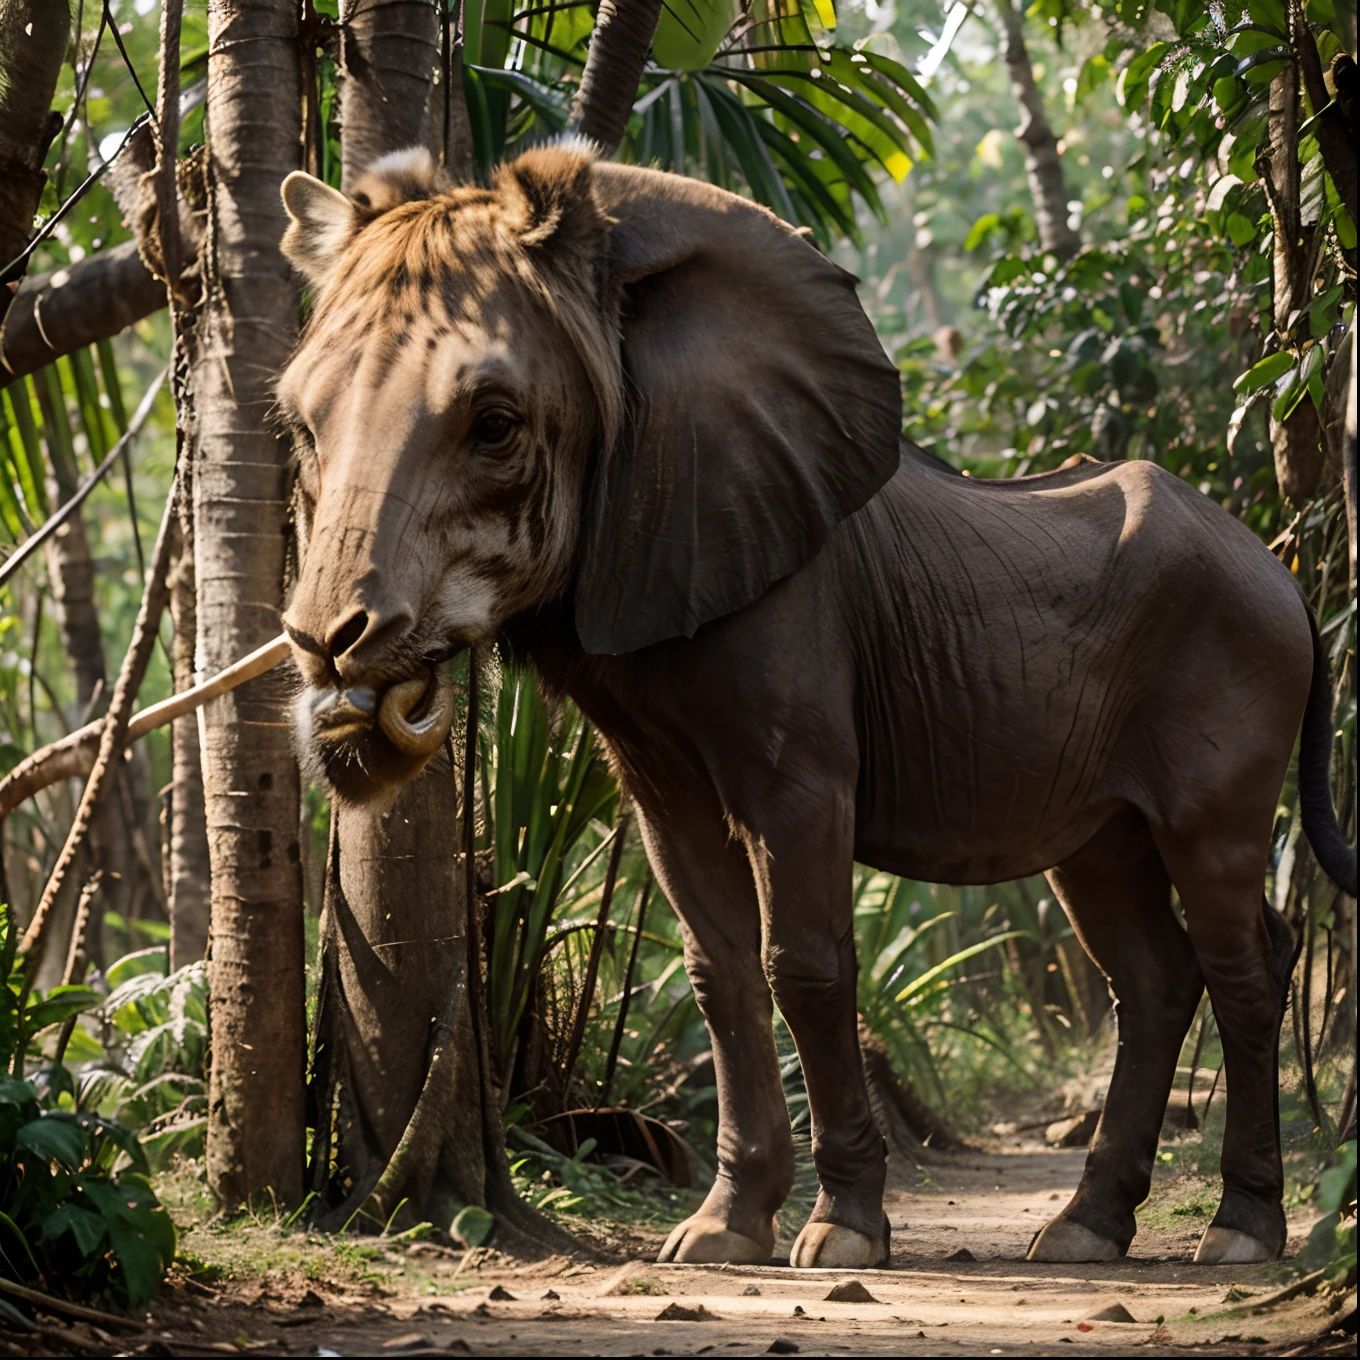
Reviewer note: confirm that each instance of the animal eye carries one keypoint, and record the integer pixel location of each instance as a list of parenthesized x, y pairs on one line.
[(493, 429)]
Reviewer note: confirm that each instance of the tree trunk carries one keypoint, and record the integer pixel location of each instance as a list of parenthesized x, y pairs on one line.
[(1297, 441), (388, 55), (239, 340), (394, 1044), (188, 879), (399, 1097), (1043, 165), (33, 37), (614, 65)]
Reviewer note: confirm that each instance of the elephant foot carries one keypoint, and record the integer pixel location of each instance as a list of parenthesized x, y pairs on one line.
[(1228, 1247), (706, 1240), (1062, 1240), (829, 1246)]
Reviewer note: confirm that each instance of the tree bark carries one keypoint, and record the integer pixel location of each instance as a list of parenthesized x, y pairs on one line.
[(1333, 130), (398, 1096), (614, 65), (394, 1043), (77, 305), (1043, 165), (239, 339), (33, 37), (1295, 442), (388, 55)]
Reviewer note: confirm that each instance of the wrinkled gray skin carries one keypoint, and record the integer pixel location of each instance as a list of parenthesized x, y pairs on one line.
[(803, 643)]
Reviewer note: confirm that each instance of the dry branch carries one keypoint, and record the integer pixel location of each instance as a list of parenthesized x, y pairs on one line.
[(113, 735), (66, 309), (73, 756)]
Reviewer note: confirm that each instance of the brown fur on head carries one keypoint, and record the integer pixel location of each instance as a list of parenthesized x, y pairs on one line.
[(463, 457), (439, 307)]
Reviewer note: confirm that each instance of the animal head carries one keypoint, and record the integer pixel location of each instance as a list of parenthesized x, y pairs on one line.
[(588, 381)]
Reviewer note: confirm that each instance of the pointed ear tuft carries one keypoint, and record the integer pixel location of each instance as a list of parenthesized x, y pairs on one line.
[(548, 198), (322, 223), (399, 177)]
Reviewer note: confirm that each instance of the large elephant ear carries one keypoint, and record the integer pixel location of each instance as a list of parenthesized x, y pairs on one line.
[(762, 411)]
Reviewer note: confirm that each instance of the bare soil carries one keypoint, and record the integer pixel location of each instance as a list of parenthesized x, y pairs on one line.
[(426, 1300)]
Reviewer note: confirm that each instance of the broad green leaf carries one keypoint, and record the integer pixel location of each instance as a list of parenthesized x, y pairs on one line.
[(1345, 228), (60, 1004), (1241, 230), (689, 32), (152, 960), (1265, 371), (1269, 14), (1222, 187), (55, 1137), (85, 1226)]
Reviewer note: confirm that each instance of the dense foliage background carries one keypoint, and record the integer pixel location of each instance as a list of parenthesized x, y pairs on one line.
[(1150, 327)]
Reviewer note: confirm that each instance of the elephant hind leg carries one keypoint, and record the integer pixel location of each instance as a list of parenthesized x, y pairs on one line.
[(1117, 893), (1246, 950)]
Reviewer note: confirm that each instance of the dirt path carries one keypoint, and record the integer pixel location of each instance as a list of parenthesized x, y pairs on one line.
[(420, 1302)]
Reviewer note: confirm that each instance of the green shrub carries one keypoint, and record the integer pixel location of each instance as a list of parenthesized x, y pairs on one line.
[(77, 1214)]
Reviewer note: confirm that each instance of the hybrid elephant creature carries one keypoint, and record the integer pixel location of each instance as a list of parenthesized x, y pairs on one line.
[(640, 433)]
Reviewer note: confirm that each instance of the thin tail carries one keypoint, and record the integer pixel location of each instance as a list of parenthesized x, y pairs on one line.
[(1320, 822)]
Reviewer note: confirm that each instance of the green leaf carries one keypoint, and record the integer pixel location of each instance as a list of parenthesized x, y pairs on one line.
[(689, 32), (1265, 371), (1241, 230), (55, 1137), (981, 230), (60, 1004), (1345, 228), (1270, 15), (85, 1226), (13, 1320), (1260, 72), (1132, 85), (919, 984), (152, 960)]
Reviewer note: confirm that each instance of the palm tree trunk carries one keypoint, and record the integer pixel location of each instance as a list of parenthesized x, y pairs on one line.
[(238, 341), (618, 53), (1043, 166), (399, 1099), (388, 54), (33, 37)]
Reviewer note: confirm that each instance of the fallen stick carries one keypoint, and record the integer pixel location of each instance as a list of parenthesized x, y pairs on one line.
[(73, 756), (54, 1305)]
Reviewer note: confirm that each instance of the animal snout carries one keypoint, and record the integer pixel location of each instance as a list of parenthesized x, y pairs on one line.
[(352, 649)]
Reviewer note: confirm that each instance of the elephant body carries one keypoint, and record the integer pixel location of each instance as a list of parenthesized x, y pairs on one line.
[(641, 435)]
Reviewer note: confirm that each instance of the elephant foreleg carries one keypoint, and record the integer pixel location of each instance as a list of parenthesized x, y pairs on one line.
[(708, 880), (809, 955)]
